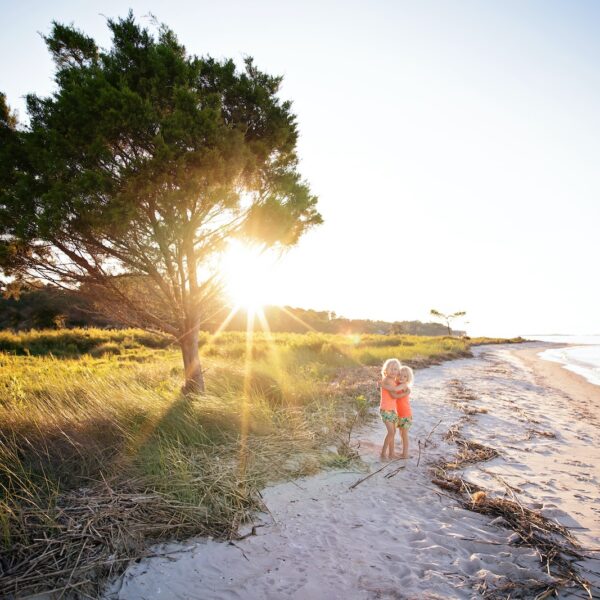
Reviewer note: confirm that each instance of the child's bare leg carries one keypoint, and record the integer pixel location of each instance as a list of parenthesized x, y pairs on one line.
[(404, 436), (388, 443), (391, 434), (392, 453)]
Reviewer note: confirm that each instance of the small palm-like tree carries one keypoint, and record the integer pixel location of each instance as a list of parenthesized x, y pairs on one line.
[(446, 317)]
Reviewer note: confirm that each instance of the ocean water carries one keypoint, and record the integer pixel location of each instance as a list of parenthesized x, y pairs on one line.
[(583, 358)]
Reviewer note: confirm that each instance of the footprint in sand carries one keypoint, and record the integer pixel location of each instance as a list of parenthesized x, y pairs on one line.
[(417, 536), (377, 589), (582, 497), (587, 478), (470, 565)]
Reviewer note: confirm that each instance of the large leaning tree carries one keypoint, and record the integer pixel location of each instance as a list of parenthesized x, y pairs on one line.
[(128, 180)]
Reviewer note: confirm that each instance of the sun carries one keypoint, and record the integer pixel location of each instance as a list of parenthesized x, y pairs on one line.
[(248, 274)]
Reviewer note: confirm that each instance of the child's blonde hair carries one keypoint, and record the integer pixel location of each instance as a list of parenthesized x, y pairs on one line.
[(410, 376), (387, 363)]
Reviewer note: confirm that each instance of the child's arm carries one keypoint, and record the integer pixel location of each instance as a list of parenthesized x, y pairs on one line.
[(388, 384), (397, 391), (402, 392)]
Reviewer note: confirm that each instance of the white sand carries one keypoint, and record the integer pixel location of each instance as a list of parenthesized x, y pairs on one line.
[(402, 537)]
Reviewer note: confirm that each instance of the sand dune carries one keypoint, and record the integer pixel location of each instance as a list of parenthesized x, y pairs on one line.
[(401, 536)]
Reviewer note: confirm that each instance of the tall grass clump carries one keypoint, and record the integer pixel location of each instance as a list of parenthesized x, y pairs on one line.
[(77, 341)]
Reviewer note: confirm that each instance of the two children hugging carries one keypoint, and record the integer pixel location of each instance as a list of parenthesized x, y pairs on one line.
[(396, 383)]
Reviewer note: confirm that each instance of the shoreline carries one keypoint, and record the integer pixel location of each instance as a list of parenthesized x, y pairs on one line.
[(555, 375)]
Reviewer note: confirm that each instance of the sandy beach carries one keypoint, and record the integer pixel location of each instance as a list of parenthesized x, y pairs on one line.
[(396, 534)]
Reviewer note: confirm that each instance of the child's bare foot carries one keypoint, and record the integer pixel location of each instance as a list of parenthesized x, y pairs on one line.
[(404, 456), (395, 456)]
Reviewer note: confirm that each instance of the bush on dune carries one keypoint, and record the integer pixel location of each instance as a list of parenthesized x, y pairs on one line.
[(74, 342)]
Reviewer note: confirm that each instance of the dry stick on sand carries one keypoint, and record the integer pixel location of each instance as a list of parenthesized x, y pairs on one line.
[(375, 472), (419, 457), (395, 471), (431, 432), (427, 440)]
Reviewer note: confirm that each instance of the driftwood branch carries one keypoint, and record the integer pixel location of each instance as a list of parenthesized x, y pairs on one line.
[(427, 440), (356, 483)]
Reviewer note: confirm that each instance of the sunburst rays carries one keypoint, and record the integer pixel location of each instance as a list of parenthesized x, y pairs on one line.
[(257, 323)]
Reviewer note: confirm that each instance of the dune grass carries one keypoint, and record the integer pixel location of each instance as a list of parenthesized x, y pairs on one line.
[(101, 411)]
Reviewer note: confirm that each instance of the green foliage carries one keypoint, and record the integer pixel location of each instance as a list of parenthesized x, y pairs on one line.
[(362, 406), (49, 307), (135, 172), (78, 341), (478, 341)]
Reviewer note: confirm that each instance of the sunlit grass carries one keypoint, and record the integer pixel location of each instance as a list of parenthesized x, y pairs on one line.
[(69, 418), (74, 342), (66, 419), (83, 406)]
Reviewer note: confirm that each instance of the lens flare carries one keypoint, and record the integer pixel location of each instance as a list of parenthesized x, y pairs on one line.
[(248, 273)]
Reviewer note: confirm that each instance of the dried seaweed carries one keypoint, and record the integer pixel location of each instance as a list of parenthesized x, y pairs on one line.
[(554, 543)]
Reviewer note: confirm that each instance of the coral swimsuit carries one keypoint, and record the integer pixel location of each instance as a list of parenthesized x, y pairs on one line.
[(387, 402), (401, 406)]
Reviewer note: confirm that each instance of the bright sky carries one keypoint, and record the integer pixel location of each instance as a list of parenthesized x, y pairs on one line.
[(454, 145)]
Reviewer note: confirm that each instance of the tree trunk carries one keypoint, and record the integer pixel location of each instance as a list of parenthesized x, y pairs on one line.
[(194, 380)]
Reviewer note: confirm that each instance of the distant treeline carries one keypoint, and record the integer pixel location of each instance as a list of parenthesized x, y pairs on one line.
[(49, 308), (299, 320), (55, 308)]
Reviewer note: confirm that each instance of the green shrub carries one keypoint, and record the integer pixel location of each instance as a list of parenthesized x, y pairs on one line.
[(106, 348)]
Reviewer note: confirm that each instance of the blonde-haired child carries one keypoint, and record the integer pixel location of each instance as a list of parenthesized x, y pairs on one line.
[(405, 378), (388, 405)]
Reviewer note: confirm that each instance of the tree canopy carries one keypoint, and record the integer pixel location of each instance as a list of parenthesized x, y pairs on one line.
[(128, 181)]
